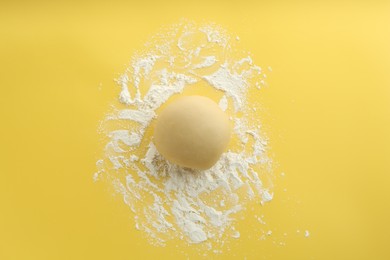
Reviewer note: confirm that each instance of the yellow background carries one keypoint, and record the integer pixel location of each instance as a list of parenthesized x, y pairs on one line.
[(328, 117)]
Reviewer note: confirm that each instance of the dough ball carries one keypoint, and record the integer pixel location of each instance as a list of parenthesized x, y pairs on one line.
[(192, 132)]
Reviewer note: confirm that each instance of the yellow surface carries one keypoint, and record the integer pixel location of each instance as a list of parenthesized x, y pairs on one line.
[(327, 114)]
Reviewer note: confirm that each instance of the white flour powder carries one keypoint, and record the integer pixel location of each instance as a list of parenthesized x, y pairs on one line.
[(168, 201)]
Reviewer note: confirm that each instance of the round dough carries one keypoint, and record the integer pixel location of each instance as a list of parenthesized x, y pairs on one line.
[(192, 132)]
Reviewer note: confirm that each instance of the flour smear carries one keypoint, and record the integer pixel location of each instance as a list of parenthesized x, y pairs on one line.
[(169, 202)]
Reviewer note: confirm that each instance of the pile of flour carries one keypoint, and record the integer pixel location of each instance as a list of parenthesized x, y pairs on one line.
[(169, 202)]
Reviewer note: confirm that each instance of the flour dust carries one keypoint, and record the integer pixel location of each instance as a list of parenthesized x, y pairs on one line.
[(169, 202)]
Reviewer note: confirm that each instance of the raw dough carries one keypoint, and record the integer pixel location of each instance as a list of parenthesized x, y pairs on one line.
[(192, 132)]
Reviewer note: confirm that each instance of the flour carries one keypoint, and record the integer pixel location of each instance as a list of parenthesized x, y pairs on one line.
[(223, 103), (208, 61), (234, 85), (168, 201), (266, 196)]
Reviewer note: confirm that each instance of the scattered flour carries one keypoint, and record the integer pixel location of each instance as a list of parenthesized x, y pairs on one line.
[(223, 103), (266, 196), (169, 201)]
